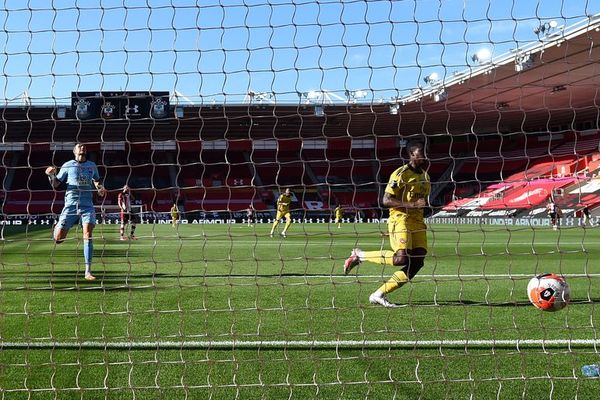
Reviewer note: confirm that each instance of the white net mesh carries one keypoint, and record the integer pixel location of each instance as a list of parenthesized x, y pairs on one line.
[(209, 111)]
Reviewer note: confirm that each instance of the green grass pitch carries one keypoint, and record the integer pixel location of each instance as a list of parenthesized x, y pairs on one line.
[(223, 283)]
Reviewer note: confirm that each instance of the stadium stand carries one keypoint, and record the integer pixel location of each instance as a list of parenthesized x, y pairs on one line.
[(222, 179), (567, 173)]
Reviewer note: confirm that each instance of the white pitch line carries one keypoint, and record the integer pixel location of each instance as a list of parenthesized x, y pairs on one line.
[(301, 344), (456, 277), (299, 276), (233, 242)]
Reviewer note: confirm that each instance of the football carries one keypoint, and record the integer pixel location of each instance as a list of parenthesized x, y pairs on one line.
[(549, 292)]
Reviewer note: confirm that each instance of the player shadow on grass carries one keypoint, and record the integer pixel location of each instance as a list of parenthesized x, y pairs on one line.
[(99, 253), (470, 303), (521, 303), (73, 279), (68, 272)]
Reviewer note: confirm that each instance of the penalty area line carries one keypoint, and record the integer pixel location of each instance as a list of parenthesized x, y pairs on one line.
[(304, 344)]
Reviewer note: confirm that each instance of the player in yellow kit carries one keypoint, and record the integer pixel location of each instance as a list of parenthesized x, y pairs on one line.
[(406, 196), (339, 214), (174, 214), (283, 211)]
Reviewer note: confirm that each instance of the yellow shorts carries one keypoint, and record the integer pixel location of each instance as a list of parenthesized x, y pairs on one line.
[(283, 214), (407, 235), (174, 216), (338, 220)]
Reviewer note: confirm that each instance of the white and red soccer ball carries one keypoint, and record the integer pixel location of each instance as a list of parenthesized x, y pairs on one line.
[(549, 292)]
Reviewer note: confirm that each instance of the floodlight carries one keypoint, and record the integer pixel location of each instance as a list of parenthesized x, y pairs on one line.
[(524, 62), (483, 56), (545, 28), (439, 96), (354, 95), (431, 78), (313, 95), (259, 97)]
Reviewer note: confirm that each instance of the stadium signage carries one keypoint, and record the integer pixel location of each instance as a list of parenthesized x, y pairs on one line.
[(501, 221), (120, 105), (222, 218)]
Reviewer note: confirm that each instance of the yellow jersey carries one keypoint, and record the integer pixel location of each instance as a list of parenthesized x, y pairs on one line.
[(339, 212), (408, 185), (283, 203), (174, 210)]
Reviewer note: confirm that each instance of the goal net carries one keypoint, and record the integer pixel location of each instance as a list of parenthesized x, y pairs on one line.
[(261, 142)]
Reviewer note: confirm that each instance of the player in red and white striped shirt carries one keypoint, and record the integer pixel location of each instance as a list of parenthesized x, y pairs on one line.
[(124, 201)]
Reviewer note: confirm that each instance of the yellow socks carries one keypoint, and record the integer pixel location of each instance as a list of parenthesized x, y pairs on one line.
[(385, 257), (274, 226), (397, 280), (287, 225)]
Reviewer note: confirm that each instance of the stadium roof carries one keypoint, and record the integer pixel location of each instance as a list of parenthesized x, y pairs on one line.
[(554, 82)]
